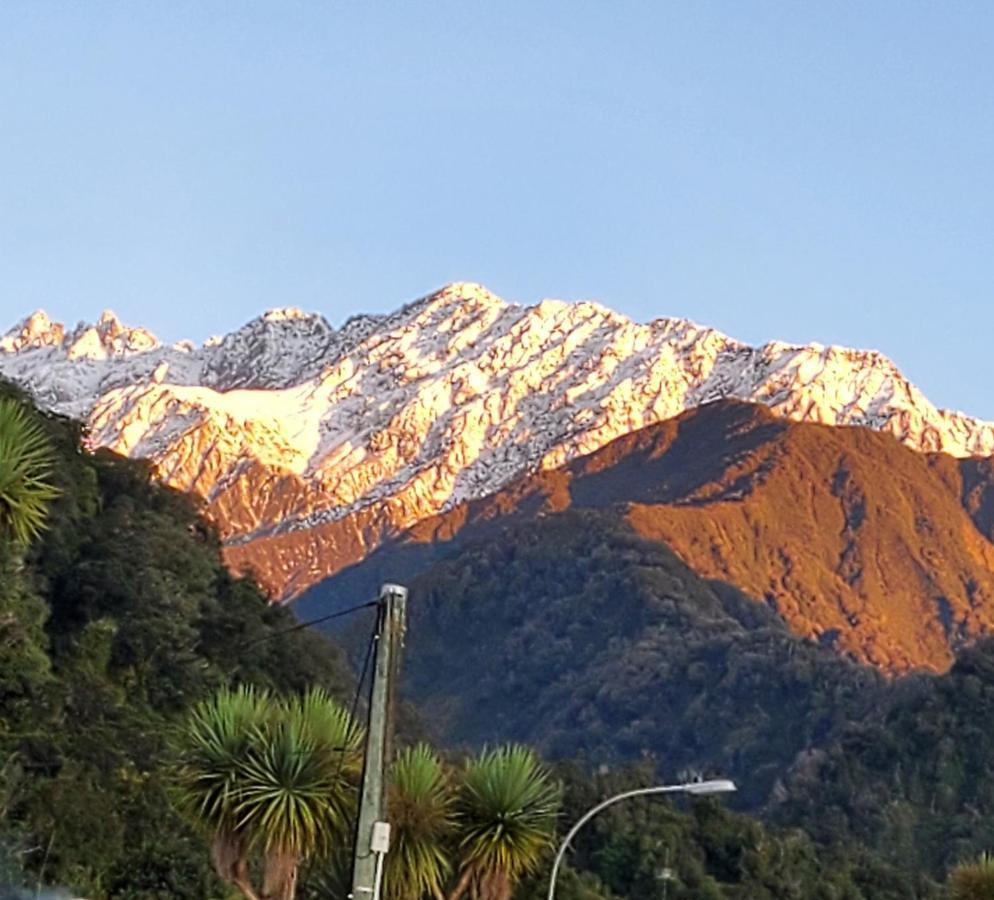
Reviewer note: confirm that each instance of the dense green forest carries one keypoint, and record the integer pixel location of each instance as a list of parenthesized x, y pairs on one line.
[(614, 650), (916, 782), (711, 852), (114, 621)]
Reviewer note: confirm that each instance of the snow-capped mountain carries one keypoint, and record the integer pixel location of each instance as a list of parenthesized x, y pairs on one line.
[(311, 443)]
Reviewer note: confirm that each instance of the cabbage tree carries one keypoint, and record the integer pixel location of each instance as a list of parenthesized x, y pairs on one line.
[(505, 814), (26, 462), (270, 782), (421, 807)]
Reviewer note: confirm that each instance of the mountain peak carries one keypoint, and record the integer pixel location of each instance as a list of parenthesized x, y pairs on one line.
[(287, 425), (286, 314), (280, 348), (282, 320), (38, 320), (465, 294), (33, 332), (107, 338), (469, 290)]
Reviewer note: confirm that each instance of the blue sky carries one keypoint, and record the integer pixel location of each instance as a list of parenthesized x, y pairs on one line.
[(803, 171)]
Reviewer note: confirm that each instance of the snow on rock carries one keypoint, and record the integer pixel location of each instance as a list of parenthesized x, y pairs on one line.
[(288, 423)]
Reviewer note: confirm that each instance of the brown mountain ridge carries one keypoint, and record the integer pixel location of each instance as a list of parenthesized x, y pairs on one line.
[(855, 540)]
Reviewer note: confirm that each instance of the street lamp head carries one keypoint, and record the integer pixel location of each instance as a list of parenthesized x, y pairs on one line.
[(706, 788)]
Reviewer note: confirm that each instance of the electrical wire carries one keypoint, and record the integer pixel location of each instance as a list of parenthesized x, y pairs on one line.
[(300, 626), (373, 637), (354, 824)]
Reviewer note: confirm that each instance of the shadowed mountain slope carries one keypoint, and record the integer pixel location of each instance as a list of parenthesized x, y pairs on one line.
[(915, 782), (576, 635), (855, 540)]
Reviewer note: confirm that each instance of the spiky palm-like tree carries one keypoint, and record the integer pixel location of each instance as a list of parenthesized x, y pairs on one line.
[(269, 780), (293, 799), (213, 746), (26, 462), (973, 880), (421, 815), (506, 815)]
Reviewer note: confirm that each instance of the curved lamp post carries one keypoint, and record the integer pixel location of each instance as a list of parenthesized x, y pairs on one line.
[(696, 788)]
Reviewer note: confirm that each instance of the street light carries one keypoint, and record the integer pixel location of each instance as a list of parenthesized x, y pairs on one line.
[(695, 788)]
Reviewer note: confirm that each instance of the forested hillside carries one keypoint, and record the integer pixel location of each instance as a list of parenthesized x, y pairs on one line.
[(883, 553), (916, 781), (611, 650), (118, 618), (588, 640), (570, 632), (711, 853)]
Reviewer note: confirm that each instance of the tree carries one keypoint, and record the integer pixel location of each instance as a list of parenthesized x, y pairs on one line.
[(421, 816), (26, 462), (270, 781), (505, 814), (973, 880)]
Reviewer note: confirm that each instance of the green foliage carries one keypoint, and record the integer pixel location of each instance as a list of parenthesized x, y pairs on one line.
[(292, 795), (421, 814), (214, 743), (621, 853), (973, 880), (26, 462), (708, 850), (114, 621), (268, 777), (506, 814), (26, 679), (914, 781)]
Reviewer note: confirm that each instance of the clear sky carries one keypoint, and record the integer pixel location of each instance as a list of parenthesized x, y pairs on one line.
[(795, 170)]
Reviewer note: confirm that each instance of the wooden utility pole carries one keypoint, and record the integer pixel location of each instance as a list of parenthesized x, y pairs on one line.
[(372, 831)]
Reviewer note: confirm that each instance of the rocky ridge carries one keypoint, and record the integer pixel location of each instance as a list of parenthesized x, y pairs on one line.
[(311, 444)]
